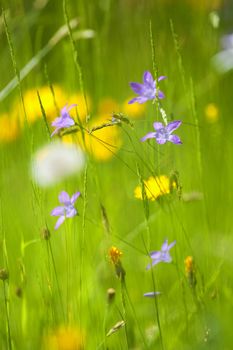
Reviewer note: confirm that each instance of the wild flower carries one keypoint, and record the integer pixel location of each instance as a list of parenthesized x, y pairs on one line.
[(114, 255), (147, 90), (64, 338), (155, 187), (9, 128), (55, 162), (32, 104), (190, 271), (102, 144), (162, 255), (163, 133), (151, 294), (67, 210), (64, 120), (83, 104), (212, 113)]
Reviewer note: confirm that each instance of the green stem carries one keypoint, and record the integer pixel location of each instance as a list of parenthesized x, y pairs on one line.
[(7, 317)]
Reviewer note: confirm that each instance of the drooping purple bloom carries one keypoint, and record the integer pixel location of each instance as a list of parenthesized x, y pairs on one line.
[(163, 133), (147, 90), (64, 120), (151, 294), (162, 255), (67, 210)]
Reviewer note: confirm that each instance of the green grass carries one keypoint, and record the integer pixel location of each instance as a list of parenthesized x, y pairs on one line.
[(63, 281)]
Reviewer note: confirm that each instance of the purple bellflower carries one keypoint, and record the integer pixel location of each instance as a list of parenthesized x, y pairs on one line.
[(67, 210), (151, 294), (162, 255), (64, 120), (147, 90), (163, 133)]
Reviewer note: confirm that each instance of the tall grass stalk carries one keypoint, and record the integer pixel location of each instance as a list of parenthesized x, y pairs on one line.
[(76, 58)]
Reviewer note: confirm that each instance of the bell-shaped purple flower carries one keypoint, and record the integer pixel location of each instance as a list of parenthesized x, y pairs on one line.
[(64, 120), (151, 294), (163, 133), (162, 255), (147, 90), (67, 209)]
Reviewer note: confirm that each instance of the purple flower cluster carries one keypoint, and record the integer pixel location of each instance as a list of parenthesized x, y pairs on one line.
[(163, 133), (148, 91), (157, 257), (64, 120), (67, 209)]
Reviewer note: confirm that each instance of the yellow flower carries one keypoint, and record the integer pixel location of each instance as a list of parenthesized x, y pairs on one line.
[(32, 104), (190, 271), (9, 128), (115, 254), (107, 106), (101, 144), (134, 110), (189, 267), (155, 187), (212, 113), (64, 338), (77, 98)]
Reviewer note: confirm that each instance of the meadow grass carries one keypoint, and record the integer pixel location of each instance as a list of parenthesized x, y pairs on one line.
[(82, 286)]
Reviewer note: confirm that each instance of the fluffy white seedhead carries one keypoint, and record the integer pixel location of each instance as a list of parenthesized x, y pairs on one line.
[(55, 161)]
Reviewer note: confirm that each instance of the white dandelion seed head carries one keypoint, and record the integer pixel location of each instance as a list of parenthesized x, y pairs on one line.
[(55, 161)]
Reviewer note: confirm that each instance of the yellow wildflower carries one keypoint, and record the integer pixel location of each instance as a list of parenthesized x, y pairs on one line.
[(9, 128), (134, 110), (64, 338), (107, 106), (77, 98), (155, 187), (212, 113), (115, 254), (32, 104), (102, 144), (190, 270)]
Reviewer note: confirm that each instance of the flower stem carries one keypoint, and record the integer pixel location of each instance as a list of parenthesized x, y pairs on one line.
[(7, 316)]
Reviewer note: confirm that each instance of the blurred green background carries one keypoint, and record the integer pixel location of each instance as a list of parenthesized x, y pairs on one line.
[(56, 289)]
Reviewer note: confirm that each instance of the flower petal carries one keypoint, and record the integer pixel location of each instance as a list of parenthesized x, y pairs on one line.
[(148, 78), (171, 245), (64, 198), (150, 135), (160, 94), (56, 121), (55, 132), (162, 77), (175, 139), (160, 139), (165, 246), (166, 258), (139, 99), (155, 255), (59, 222), (58, 211), (173, 125), (71, 212), (71, 106), (137, 88), (74, 197), (154, 262), (158, 126), (151, 294), (67, 121)]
